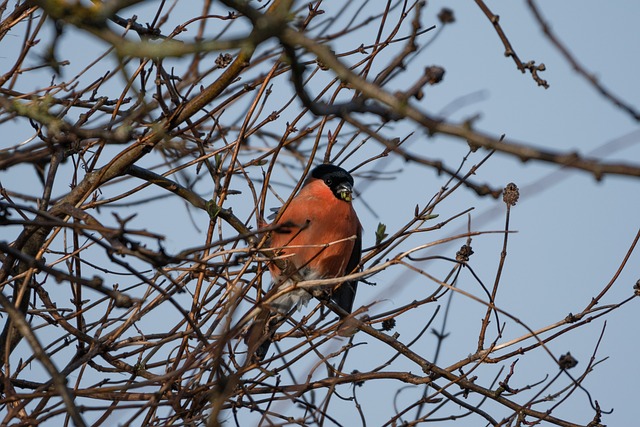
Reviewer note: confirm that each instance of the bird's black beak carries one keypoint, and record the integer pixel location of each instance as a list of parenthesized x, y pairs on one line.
[(345, 191)]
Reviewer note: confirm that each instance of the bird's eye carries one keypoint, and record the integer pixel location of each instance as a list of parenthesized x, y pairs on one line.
[(328, 182)]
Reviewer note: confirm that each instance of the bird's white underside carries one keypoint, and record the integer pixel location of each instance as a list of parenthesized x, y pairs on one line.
[(297, 298)]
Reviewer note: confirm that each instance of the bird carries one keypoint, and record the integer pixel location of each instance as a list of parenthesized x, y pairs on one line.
[(319, 236)]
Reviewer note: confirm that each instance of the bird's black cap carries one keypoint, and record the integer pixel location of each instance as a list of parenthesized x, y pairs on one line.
[(332, 172)]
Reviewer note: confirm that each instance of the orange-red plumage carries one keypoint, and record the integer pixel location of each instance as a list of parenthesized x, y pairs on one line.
[(321, 237), (321, 242)]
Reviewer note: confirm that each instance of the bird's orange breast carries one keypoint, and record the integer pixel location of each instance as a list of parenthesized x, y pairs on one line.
[(316, 244)]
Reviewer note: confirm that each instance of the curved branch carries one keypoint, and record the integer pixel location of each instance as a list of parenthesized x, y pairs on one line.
[(463, 131)]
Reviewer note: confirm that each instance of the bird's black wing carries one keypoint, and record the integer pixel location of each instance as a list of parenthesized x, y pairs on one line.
[(346, 293)]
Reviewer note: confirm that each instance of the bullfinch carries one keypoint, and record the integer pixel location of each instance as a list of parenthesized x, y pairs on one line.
[(321, 238)]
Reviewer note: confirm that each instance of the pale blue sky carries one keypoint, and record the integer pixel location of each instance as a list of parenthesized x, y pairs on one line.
[(572, 231)]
